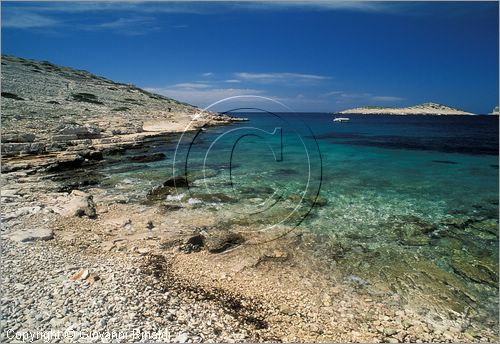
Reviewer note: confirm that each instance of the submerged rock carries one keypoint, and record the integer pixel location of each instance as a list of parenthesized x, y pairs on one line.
[(177, 181), (489, 226), (147, 158), (412, 230), (218, 197), (480, 270), (159, 193), (193, 244), (220, 241)]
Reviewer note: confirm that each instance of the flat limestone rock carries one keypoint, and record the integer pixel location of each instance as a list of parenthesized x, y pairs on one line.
[(30, 235)]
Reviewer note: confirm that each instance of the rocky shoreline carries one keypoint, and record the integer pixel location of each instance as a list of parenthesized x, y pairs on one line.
[(54, 115), (91, 262), (83, 260)]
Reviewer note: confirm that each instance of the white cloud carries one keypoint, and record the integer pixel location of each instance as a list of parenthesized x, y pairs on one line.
[(386, 98), (347, 97), (26, 20), (202, 96), (280, 77), (332, 93), (191, 85), (360, 6), (124, 25), (233, 81), (121, 23), (207, 74)]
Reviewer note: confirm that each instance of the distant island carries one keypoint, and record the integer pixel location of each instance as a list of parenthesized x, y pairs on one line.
[(495, 111), (422, 109)]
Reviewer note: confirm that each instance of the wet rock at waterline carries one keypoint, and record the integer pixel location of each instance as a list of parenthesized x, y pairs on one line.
[(220, 241), (147, 158)]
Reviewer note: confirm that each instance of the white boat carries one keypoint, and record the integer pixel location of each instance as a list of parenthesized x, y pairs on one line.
[(341, 119)]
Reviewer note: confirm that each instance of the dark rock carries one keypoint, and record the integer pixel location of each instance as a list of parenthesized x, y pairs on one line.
[(193, 244), (159, 193), (18, 138), (177, 181), (68, 164), (221, 241), (78, 185), (92, 155), (147, 158)]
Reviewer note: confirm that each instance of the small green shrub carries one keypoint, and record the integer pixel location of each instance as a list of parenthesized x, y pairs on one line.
[(86, 97)]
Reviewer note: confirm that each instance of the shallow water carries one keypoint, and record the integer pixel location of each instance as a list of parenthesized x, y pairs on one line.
[(409, 204)]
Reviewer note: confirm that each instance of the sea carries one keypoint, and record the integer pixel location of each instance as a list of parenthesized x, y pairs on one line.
[(405, 204)]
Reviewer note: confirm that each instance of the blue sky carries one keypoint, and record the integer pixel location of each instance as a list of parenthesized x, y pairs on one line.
[(312, 56)]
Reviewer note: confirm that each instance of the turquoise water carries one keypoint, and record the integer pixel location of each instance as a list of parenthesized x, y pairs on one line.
[(409, 204)]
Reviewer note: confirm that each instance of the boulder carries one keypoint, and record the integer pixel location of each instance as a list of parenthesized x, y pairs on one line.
[(80, 204), (220, 241), (30, 235), (159, 193), (86, 131), (177, 181)]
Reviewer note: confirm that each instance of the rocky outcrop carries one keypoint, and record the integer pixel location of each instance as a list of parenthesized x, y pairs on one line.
[(48, 109), (422, 109), (76, 131)]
